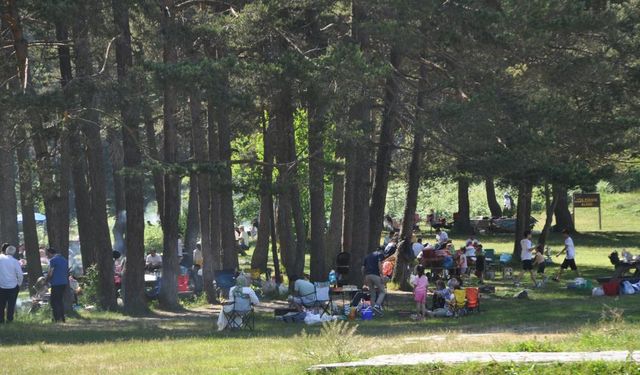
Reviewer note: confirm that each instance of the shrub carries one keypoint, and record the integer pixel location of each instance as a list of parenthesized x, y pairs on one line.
[(89, 285)]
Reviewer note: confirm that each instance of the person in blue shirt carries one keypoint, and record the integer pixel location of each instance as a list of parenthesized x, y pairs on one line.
[(58, 278)]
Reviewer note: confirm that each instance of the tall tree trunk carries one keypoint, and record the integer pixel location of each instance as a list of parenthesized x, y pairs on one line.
[(550, 203), (214, 182), (296, 203), (282, 118), (349, 196), (201, 155), (29, 228), (96, 164), (361, 115), (523, 214), (168, 296), (11, 18), (564, 220), (318, 108), (260, 256), (402, 270), (9, 202), (274, 244), (192, 232), (54, 169), (316, 121), (116, 157), (154, 154), (227, 221), (390, 119), (494, 206), (332, 241), (463, 223), (82, 200), (134, 298)]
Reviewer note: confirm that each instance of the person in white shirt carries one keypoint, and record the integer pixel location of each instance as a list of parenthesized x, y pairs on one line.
[(10, 281), (441, 236), (242, 287), (526, 248), (570, 258), (417, 247), (154, 261)]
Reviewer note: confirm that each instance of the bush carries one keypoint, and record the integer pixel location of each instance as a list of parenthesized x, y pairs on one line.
[(89, 286), (337, 341), (153, 237)]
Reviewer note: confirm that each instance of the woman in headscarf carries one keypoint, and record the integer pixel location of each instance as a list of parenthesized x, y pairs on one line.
[(241, 287)]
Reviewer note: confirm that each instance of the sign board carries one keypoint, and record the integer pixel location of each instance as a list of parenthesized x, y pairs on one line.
[(586, 200)]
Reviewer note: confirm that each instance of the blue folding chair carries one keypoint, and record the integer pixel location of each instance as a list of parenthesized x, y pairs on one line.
[(224, 280)]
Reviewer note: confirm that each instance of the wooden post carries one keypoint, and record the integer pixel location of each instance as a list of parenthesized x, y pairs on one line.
[(573, 211), (599, 216)]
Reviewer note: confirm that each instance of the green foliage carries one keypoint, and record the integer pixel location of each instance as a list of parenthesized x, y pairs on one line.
[(89, 287), (153, 238), (337, 341)]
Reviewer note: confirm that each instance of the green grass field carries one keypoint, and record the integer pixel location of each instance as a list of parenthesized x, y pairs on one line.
[(552, 319)]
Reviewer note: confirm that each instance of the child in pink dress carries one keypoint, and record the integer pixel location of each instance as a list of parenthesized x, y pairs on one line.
[(420, 292)]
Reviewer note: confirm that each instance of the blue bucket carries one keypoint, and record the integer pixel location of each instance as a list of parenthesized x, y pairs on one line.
[(367, 314)]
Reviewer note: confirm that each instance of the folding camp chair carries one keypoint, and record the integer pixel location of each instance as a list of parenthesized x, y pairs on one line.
[(489, 258), (183, 284), (343, 261), (323, 296), (460, 307), (240, 314), (224, 280), (473, 299), (319, 300)]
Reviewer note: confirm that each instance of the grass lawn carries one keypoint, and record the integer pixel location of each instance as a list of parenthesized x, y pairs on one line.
[(552, 319)]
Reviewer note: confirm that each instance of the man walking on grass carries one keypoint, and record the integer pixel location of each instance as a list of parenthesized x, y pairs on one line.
[(526, 249), (570, 258)]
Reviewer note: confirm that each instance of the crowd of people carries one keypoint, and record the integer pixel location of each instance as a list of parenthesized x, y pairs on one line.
[(441, 258)]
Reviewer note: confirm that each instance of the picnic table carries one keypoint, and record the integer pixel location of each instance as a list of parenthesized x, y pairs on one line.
[(342, 292), (623, 272), (626, 267)]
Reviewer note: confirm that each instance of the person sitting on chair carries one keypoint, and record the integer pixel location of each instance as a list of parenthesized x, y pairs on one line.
[(153, 261), (241, 283), (303, 292)]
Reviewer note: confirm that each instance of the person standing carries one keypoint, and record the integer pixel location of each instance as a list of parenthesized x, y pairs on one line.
[(421, 284), (10, 281), (58, 278), (526, 249), (198, 261), (570, 258), (372, 269)]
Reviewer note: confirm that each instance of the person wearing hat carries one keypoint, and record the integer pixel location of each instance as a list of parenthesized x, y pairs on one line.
[(10, 281), (58, 278), (242, 283)]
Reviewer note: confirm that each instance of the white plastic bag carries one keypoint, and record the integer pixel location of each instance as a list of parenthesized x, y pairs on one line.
[(597, 292), (412, 279), (627, 288)]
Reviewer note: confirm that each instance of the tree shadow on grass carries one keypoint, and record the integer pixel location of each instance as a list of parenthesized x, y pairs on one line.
[(553, 309)]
